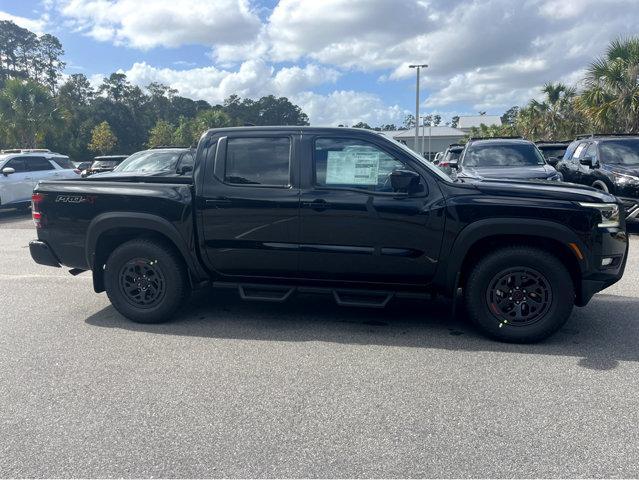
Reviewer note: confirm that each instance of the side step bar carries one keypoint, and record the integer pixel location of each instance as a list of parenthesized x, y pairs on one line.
[(342, 296)]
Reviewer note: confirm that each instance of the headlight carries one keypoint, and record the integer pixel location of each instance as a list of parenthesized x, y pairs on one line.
[(609, 213), (625, 179)]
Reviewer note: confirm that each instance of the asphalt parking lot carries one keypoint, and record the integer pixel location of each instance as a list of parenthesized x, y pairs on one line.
[(233, 389)]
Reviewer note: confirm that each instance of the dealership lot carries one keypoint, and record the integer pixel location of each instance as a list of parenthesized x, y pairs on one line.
[(304, 388)]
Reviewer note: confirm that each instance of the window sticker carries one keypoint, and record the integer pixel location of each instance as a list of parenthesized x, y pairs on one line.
[(352, 167)]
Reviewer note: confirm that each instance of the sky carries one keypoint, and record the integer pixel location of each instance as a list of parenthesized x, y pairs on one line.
[(342, 61)]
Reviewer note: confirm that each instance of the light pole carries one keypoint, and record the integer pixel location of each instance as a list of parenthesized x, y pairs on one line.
[(418, 67)]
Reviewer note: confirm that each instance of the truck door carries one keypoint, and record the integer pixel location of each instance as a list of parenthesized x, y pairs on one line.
[(354, 226), (249, 205)]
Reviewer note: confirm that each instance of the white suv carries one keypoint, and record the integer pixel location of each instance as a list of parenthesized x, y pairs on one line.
[(20, 171)]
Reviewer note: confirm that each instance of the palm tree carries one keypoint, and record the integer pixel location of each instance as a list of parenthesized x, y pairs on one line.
[(27, 112), (611, 97)]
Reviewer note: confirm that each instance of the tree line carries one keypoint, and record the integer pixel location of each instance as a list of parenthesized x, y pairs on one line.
[(41, 108)]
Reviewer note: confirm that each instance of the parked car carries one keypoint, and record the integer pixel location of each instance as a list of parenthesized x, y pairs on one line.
[(500, 158), (82, 166), (271, 211), (552, 151), (451, 155), (104, 163), (606, 162), (22, 169), (160, 161)]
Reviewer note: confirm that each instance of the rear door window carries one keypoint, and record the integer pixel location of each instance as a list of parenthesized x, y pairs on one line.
[(38, 164), (258, 161)]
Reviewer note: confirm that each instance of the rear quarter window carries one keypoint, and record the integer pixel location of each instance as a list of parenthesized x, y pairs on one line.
[(63, 162)]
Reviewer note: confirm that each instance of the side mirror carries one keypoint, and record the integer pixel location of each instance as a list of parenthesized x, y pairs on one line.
[(552, 161), (588, 161), (186, 169), (404, 181), (8, 171)]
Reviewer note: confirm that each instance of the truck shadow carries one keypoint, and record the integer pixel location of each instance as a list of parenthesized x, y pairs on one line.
[(10, 215), (600, 335)]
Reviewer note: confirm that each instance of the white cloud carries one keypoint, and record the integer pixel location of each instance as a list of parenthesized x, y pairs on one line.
[(36, 25), (168, 23), (255, 78), (484, 54), (348, 107)]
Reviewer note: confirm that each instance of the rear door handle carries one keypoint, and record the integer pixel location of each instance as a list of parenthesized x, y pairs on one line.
[(218, 202), (318, 205)]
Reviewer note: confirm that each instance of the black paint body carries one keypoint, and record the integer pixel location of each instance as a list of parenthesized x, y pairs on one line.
[(308, 235)]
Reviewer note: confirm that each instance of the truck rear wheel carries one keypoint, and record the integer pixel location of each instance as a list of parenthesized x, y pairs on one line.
[(519, 294), (146, 281)]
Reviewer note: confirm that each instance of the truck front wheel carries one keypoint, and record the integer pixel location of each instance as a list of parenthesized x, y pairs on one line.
[(519, 294), (146, 281)]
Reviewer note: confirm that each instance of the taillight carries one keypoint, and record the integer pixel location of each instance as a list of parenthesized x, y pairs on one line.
[(77, 170), (36, 199)]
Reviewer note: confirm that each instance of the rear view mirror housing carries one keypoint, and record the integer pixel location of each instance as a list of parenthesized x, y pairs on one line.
[(588, 161), (8, 171), (404, 181)]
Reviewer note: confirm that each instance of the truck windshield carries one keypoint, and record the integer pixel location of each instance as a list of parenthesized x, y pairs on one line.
[(150, 161), (514, 155), (621, 152)]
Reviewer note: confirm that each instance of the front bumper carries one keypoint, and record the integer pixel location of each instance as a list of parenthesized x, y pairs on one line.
[(611, 244), (42, 254), (631, 208)]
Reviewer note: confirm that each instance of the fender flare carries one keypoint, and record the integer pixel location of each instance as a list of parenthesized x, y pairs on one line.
[(143, 221), (486, 228)]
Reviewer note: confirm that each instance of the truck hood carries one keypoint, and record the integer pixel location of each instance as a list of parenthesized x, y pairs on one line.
[(543, 189), (623, 169), (518, 173)]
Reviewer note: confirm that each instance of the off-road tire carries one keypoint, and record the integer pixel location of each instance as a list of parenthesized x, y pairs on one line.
[(160, 272), (496, 274)]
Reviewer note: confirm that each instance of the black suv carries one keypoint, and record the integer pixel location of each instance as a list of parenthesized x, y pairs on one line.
[(104, 163), (513, 158), (553, 151), (606, 162)]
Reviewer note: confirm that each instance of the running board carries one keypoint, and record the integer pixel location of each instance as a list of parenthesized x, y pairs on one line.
[(343, 296), (265, 293), (362, 298)]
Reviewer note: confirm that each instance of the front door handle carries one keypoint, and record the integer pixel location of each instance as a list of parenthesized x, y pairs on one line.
[(319, 205)]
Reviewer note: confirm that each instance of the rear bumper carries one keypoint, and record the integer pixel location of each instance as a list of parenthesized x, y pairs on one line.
[(42, 254)]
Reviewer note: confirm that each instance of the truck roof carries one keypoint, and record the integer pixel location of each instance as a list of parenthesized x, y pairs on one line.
[(306, 129)]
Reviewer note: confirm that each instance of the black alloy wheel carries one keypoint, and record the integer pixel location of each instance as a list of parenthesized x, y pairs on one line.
[(142, 282), (519, 296)]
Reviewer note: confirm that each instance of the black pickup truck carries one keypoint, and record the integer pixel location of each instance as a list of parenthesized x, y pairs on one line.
[(270, 211)]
